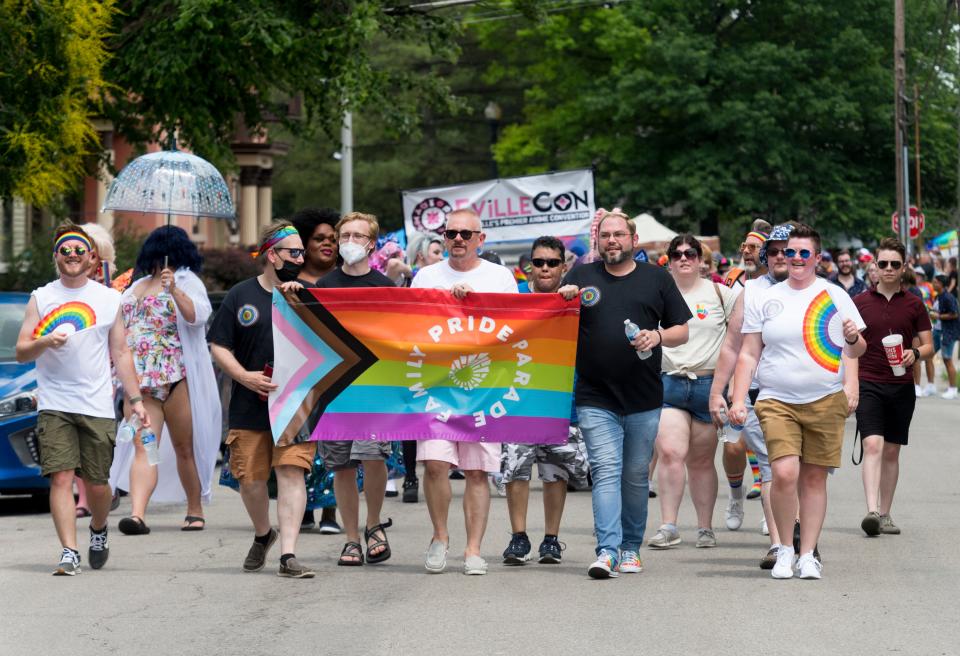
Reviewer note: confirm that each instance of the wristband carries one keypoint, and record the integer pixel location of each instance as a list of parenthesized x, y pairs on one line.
[(849, 343), (135, 399), (660, 334), (916, 354)]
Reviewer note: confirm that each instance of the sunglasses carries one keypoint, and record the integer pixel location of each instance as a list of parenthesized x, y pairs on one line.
[(553, 262), (804, 253), (749, 248), (67, 251), (465, 235), (893, 264), (689, 253), (294, 252)]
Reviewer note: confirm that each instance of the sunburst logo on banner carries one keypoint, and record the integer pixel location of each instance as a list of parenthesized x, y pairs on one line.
[(468, 371)]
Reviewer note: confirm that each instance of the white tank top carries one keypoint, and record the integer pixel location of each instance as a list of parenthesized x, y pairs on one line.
[(76, 377)]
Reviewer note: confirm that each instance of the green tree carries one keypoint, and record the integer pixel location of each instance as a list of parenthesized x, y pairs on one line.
[(205, 68), (51, 60), (722, 109)]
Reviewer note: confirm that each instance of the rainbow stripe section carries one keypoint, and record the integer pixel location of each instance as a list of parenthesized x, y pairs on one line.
[(488, 368), (76, 314), (73, 235), (276, 238), (816, 332)]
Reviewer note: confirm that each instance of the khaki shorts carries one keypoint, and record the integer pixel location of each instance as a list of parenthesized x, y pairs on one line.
[(253, 454), (813, 431), (78, 442)]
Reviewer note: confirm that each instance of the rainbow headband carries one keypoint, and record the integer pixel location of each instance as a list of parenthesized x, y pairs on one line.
[(276, 238), (762, 236), (72, 236)]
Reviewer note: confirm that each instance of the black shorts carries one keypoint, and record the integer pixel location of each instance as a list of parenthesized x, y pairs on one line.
[(886, 409)]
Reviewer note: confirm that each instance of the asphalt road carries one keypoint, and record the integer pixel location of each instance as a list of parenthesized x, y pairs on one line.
[(184, 593)]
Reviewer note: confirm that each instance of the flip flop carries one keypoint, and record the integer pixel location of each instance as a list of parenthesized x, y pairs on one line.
[(82, 512), (193, 519), (133, 526)]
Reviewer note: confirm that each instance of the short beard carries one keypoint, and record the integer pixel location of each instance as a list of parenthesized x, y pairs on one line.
[(609, 258), (750, 267), (781, 276)]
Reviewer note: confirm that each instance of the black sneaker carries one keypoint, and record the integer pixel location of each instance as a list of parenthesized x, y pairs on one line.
[(456, 475), (99, 549), (308, 521), (518, 551), (411, 490), (550, 551), (796, 537), (69, 564)]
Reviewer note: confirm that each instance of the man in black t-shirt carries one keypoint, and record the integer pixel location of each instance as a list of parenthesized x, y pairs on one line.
[(357, 237), (618, 391), (241, 342)]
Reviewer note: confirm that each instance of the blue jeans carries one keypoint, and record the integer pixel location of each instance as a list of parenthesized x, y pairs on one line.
[(619, 448)]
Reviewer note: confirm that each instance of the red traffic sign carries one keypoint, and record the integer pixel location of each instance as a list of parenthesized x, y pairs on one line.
[(916, 222)]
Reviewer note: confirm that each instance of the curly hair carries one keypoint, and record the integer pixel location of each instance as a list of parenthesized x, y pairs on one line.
[(171, 243)]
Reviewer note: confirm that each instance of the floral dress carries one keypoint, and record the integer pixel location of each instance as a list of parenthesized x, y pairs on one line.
[(151, 325)]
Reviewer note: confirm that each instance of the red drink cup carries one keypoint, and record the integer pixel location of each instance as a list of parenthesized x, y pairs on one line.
[(268, 372), (893, 347)]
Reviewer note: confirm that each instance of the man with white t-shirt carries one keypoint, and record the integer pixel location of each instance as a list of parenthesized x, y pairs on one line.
[(802, 339), (771, 255), (464, 272), (72, 329)]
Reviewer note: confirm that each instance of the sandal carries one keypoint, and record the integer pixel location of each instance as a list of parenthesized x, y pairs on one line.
[(82, 511), (371, 534), (190, 520), (133, 526), (351, 556)]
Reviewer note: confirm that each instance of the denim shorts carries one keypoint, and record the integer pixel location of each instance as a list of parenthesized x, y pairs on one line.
[(947, 342), (690, 395)]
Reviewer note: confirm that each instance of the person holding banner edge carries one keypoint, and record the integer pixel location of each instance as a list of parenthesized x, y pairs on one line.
[(464, 272), (241, 342)]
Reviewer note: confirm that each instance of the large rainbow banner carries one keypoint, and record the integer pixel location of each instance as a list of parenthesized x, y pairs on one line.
[(418, 364)]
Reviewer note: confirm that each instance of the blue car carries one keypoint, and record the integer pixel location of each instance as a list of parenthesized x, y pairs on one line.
[(19, 449)]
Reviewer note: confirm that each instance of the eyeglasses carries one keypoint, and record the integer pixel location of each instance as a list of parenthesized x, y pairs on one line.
[(294, 252), (804, 253), (363, 240), (749, 248), (893, 264), (689, 253), (465, 235), (773, 251), (607, 236), (552, 262), (67, 251)]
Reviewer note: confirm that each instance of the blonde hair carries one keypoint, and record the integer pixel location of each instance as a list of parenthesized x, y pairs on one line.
[(267, 232), (103, 242), (360, 216)]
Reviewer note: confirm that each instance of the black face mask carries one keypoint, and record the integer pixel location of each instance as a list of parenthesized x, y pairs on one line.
[(289, 271)]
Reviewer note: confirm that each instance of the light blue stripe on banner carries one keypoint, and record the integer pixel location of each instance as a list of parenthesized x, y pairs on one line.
[(388, 399)]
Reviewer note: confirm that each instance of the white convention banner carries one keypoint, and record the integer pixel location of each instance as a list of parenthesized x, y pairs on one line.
[(513, 210)]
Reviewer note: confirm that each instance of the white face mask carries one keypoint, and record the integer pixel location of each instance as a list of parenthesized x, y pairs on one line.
[(352, 252)]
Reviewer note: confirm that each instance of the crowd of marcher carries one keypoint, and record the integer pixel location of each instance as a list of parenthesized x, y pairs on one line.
[(765, 355)]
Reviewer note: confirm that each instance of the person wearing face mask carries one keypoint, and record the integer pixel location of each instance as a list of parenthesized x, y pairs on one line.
[(241, 342), (357, 237)]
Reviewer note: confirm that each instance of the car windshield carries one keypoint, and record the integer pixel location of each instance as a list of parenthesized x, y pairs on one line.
[(11, 316)]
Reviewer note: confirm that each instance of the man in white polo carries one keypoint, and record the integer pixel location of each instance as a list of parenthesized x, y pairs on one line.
[(462, 273)]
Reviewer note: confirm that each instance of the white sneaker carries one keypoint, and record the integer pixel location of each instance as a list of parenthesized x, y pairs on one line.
[(784, 567), (809, 567), (734, 513), (764, 530), (931, 390), (918, 391), (951, 393)]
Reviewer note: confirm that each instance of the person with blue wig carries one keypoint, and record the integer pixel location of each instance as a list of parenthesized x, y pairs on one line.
[(165, 312)]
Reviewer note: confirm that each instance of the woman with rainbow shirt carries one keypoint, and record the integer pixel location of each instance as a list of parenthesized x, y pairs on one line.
[(802, 337)]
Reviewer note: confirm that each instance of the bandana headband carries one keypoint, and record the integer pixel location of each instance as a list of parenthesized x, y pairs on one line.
[(276, 238), (762, 236), (72, 236)]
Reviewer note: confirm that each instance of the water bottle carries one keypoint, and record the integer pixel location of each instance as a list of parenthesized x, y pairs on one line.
[(631, 330), (149, 441), (127, 429), (733, 435)]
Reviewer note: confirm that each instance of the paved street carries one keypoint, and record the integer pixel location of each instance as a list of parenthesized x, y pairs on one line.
[(183, 593)]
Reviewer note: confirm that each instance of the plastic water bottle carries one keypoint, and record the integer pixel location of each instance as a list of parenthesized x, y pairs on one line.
[(733, 435), (127, 429), (631, 330), (149, 441)]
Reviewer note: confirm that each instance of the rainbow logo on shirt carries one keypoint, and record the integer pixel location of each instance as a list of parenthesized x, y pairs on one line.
[(701, 311), (816, 332), (75, 315)]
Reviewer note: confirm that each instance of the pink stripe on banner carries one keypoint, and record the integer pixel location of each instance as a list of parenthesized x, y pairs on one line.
[(280, 322), (458, 428)]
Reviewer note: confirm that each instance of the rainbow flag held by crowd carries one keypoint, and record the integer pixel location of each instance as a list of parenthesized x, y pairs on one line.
[(417, 364), (945, 241)]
